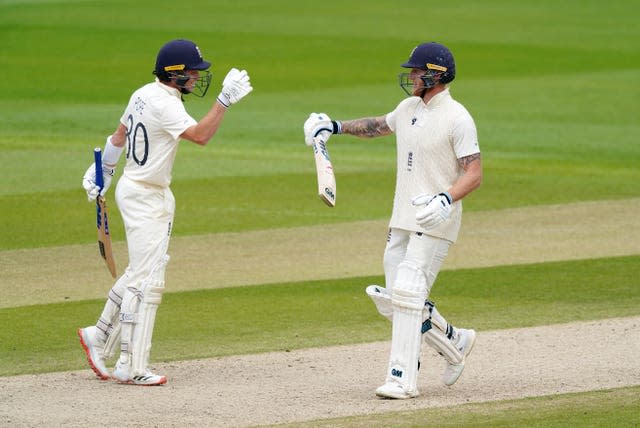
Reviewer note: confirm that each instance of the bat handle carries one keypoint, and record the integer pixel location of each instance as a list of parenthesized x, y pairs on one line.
[(320, 140), (97, 155)]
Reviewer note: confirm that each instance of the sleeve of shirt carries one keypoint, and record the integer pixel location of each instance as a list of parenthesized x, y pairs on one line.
[(124, 119), (465, 136), (390, 118), (176, 120)]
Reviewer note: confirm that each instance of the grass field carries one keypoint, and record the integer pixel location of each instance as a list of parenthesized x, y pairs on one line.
[(595, 409), (553, 89)]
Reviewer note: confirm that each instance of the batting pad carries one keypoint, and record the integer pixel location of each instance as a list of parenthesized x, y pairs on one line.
[(382, 299), (137, 318), (113, 340), (408, 296), (435, 338), (109, 321), (152, 289)]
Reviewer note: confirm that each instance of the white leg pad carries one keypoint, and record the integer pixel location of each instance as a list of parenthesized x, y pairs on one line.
[(138, 316), (435, 338), (433, 331), (382, 299), (437, 320), (109, 322), (128, 310), (408, 296), (143, 331), (113, 340)]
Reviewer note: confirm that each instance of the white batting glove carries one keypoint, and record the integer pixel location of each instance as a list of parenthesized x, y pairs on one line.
[(320, 125), (89, 181), (436, 209), (235, 86)]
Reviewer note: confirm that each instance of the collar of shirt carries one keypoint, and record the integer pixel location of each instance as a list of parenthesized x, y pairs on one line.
[(168, 89), (437, 99)]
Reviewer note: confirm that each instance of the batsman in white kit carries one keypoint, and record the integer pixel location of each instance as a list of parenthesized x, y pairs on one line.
[(153, 123), (438, 164)]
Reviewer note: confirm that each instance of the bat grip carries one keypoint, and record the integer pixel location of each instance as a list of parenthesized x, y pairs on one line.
[(97, 155)]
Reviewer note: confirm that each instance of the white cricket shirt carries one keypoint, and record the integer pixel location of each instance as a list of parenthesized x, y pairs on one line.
[(429, 141), (155, 118)]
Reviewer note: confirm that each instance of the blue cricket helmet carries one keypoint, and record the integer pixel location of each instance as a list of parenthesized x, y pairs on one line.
[(433, 57), (179, 55)]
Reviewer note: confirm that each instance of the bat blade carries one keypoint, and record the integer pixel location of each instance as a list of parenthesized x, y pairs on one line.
[(102, 221), (104, 237), (324, 170)]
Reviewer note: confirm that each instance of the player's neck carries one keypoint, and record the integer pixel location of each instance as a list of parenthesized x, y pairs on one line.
[(432, 92)]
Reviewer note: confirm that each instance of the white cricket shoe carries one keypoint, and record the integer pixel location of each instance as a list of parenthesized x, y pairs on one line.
[(394, 390), (122, 373), (466, 340), (94, 349)]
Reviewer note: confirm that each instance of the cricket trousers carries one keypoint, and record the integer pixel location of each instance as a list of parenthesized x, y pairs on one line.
[(147, 212)]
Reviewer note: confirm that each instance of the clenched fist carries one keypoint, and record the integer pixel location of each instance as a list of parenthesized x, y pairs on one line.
[(89, 181), (319, 125), (235, 86)]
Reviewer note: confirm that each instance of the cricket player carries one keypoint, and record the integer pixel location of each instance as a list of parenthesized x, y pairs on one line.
[(153, 123), (438, 164)]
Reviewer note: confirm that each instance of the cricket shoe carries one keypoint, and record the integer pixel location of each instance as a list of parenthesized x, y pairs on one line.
[(464, 344), (393, 389), (122, 374), (94, 349)]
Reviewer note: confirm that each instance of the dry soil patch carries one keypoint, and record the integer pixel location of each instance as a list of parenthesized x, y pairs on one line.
[(309, 384)]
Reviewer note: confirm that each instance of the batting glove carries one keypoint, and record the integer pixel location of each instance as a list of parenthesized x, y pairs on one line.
[(319, 125), (436, 209), (235, 86), (89, 181)]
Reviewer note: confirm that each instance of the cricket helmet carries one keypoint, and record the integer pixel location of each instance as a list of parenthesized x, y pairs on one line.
[(436, 59), (178, 56)]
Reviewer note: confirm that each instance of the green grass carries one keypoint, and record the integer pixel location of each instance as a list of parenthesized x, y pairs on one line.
[(606, 408), (212, 323), (220, 204), (549, 131)]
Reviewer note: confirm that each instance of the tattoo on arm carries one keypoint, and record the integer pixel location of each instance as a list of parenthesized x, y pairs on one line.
[(366, 127), (465, 161)]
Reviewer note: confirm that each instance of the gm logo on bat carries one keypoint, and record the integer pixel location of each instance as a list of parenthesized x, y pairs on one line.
[(329, 193)]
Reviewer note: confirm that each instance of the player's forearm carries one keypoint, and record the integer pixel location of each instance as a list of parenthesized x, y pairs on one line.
[(366, 127), (207, 127), (470, 180)]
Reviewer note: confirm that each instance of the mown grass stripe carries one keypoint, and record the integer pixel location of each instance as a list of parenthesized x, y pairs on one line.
[(328, 251), (261, 318)]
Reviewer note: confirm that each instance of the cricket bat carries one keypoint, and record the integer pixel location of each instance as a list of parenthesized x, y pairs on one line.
[(324, 169), (104, 238)]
